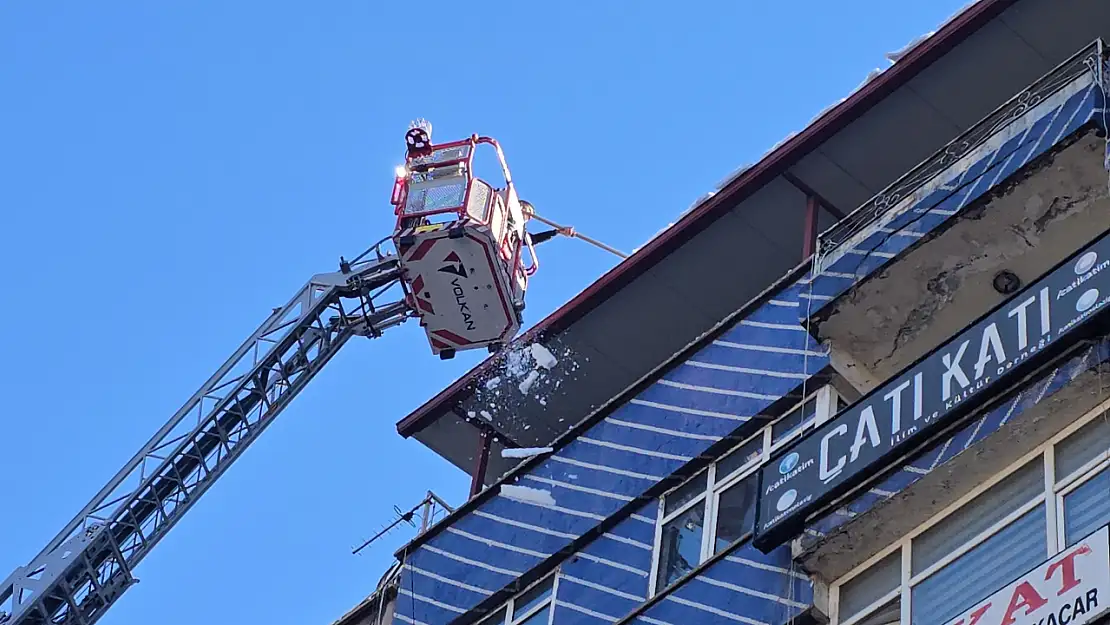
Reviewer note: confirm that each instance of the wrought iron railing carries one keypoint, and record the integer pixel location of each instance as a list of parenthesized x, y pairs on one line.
[(1091, 59)]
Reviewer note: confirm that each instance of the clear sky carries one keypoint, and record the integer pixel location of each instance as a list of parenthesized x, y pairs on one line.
[(170, 171)]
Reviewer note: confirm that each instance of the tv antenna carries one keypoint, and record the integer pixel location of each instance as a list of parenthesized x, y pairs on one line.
[(429, 508)]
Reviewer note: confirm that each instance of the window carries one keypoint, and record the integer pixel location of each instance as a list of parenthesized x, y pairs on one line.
[(1049, 500), (716, 508), (534, 606)]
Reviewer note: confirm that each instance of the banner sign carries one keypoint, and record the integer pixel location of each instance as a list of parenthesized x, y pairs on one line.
[(1069, 589), (850, 448)]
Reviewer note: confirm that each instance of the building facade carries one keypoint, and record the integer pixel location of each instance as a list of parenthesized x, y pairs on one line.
[(910, 427)]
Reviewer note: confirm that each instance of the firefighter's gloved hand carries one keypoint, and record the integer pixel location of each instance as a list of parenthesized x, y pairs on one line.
[(546, 235)]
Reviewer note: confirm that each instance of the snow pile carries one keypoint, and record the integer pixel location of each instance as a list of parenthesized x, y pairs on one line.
[(525, 452), (897, 55), (528, 495), (525, 372)]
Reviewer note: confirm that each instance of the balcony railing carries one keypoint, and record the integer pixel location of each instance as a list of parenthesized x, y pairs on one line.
[(1091, 59)]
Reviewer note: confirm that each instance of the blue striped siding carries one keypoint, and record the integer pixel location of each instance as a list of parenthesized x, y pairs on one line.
[(745, 586), (608, 576), (726, 384), (946, 450), (590, 481)]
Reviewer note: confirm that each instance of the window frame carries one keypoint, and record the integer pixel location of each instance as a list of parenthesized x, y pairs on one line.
[(826, 399), (511, 618), (1051, 496)]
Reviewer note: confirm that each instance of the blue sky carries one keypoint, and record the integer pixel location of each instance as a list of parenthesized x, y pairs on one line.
[(172, 171)]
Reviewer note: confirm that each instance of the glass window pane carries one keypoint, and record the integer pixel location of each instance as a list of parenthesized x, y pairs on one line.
[(680, 547), (1016, 490), (736, 512), (794, 420), (685, 493), (995, 562), (532, 597), (1078, 449), (1087, 508), (889, 614), (539, 618), (867, 587), (497, 618), (740, 457)]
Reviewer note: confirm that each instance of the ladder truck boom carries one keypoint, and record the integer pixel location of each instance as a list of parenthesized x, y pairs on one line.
[(462, 268), (86, 568)]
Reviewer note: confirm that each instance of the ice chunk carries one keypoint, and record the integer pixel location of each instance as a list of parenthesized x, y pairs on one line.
[(543, 357), (492, 382), (485, 415), (897, 55), (528, 495), (525, 452), (528, 381)]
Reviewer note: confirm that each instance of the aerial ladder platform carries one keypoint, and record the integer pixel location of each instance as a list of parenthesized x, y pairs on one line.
[(462, 263)]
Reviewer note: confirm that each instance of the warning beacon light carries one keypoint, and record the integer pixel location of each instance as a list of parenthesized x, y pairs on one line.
[(464, 252)]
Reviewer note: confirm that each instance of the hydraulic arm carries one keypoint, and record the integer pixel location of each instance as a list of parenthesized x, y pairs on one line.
[(86, 568), (461, 270)]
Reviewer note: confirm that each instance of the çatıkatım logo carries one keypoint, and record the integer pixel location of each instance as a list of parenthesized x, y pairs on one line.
[(789, 463), (1086, 300), (1085, 263), (786, 500)]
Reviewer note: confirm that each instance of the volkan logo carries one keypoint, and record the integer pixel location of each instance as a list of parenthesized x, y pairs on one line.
[(1085, 263), (789, 463), (1086, 300), (454, 265), (786, 500)]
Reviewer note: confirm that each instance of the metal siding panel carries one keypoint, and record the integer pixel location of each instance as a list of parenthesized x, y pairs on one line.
[(592, 596), (563, 470), (1051, 27), (770, 385), (728, 411), (454, 555), (777, 211), (664, 324), (968, 83), (821, 174), (746, 586), (625, 463), (570, 614), (651, 441), (751, 262), (685, 424), (542, 521), (903, 143)]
